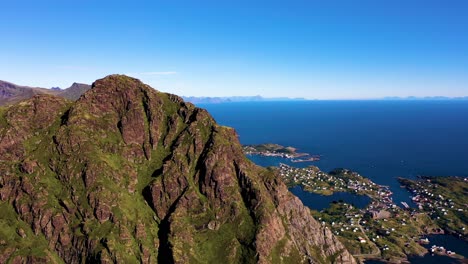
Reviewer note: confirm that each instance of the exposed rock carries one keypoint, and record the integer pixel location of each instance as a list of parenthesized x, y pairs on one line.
[(21, 232), (213, 225), (128, 174), (28, 166)]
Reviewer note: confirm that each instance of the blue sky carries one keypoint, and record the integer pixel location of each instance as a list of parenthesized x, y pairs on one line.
[(313, 49)]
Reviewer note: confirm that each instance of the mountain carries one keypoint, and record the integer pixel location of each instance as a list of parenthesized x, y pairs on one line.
[(127, 174), (429, 98), (74, 91), (215, 100), (11, 93)]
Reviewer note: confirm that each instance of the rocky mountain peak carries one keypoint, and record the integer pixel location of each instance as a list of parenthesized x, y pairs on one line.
[(128, 174)]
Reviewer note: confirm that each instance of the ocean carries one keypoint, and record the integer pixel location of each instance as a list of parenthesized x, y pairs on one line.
[(381, 140)]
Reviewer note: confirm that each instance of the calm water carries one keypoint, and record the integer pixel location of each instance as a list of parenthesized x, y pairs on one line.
[(381, 140), (319, 202)]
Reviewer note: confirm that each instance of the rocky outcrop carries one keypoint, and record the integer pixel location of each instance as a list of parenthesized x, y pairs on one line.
[(128, 174)]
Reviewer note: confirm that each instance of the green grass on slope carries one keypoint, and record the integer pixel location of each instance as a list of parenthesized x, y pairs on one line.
[(29, 245), (3, 121)]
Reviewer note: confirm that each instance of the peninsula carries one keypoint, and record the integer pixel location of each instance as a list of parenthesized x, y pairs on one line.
[(275, 150), (444, 199)]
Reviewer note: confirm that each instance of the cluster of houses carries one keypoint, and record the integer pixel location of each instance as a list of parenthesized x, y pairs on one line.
[(267, 153), (382, 209), (436, 204), (313, 179), (351, 224), (424, 197), (441, 250)]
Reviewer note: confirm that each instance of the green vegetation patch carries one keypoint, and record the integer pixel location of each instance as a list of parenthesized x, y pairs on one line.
[(17, 235)]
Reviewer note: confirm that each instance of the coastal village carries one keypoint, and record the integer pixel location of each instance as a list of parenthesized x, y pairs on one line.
[(383, 229), (444, 199)]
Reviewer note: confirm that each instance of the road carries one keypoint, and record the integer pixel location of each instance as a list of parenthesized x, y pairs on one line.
[(370, 255)]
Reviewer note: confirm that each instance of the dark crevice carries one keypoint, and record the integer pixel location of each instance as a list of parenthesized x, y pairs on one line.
[(165, 248), (64, 118), (120, 127), (247, 192), (149, 117), (165, 254), (146, 192), (193, 116), (83, 175), (200, 166), (94, 258), (148, 196), (167, 129), (159, 171), (249, 254)]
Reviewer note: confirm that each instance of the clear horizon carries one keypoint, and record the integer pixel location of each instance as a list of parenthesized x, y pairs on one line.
[(436, 97), (359, 50)]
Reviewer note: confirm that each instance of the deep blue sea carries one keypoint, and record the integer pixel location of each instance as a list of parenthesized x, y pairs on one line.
[(381, 140)]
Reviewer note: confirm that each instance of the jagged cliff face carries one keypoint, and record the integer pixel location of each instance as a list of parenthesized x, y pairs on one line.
[(127, 174)]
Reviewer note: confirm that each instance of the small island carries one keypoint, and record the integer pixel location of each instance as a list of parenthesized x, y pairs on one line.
[(275, 150)]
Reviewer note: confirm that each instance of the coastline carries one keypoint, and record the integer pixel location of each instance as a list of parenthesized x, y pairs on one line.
[(410, 222), (275, 150)]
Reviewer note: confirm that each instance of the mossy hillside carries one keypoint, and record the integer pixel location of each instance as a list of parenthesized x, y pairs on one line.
[(128, 209), (145, 171), (278, 254), (98, 151), (229, 244), (3, 120), (235, 236), (41, 147), (17, 238), (208, 246), (105, 167)]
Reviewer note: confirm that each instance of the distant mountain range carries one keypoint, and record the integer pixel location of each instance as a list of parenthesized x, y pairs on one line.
[(425, 98), (257, 98), (11, 93)]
